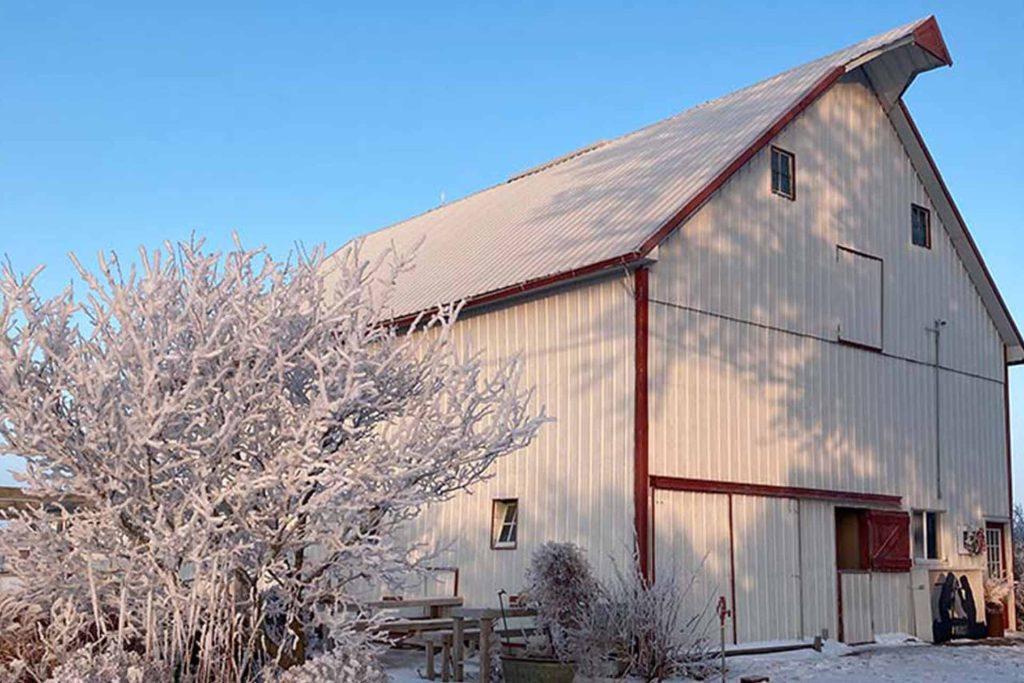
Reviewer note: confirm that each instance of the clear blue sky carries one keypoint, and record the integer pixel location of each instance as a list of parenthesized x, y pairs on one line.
[(125, 124)]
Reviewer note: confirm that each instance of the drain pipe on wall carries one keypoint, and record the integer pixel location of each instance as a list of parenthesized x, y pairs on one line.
[(937, 331)]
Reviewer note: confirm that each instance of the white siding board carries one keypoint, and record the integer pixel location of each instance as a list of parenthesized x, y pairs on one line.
[(574, 482), (857, 602), (818, 568), (891, 607)]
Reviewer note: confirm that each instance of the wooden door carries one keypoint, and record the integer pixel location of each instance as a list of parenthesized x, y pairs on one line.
[(766, 536), (855, 607)]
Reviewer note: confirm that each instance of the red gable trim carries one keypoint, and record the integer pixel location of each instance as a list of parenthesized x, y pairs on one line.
[(928, 37), (746, 155)]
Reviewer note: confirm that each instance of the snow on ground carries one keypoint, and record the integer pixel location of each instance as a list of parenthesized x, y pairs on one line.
[(894, 658)]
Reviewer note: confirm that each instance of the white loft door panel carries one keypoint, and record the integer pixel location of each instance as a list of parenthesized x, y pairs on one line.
[(859, 298)]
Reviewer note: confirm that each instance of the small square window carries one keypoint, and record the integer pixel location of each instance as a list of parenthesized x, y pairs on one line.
[(926, 535), (504, 523), (783, 173), (920, 226)]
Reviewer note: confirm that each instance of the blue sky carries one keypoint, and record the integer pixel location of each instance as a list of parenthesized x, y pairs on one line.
[(126, 124)]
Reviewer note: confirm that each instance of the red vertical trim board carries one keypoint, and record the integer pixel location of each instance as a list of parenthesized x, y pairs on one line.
[(732, 574), (641, 486)]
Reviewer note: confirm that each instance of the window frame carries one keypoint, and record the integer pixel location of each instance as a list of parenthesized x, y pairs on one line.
[(498, 524), (914, 209), (791, 157), (926, 559)]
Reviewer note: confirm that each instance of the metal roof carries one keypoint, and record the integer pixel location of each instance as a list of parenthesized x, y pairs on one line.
[(611, 202)]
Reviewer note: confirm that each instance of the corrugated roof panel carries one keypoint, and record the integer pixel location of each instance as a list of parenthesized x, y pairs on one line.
[(596, 204)]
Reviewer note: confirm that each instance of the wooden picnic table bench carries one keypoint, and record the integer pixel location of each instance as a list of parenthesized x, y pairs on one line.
[(486, 616), (435, 607)]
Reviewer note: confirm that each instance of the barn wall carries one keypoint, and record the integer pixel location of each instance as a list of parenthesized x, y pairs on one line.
[(749, 383), (764, 259), (574, 482)]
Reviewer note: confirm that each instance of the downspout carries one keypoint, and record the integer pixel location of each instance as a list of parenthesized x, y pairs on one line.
[(937, 331)]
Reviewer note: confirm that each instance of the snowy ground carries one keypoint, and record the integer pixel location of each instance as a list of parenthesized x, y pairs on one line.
[(894, 658)]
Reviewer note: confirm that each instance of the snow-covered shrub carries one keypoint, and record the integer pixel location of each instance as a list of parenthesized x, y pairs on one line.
[(244, 438), (353, 661), (561, 586), (665, 641), (629, 626), (112, 665)]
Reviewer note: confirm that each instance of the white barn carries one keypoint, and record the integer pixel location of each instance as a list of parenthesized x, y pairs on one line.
[(767, 338)]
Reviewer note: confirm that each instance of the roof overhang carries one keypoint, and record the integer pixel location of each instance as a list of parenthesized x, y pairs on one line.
[(893, 67)]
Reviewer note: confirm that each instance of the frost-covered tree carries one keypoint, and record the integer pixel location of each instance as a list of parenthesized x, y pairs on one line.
[(246, 437)]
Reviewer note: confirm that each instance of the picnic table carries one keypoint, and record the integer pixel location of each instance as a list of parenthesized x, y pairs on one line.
[(435, 607), (485, 616)]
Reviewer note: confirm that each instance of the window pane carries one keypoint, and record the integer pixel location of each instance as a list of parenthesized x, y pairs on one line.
[(918, 531), (782, 173), (932, 533), (919, 219), (504, 523)]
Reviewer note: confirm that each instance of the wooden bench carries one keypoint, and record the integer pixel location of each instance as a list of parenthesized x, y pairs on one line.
[(487, 618), (445, 641)]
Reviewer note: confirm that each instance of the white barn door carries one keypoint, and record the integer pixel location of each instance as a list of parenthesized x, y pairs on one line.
[(767, 553), (691, 538), (859, 295), (855, 607)]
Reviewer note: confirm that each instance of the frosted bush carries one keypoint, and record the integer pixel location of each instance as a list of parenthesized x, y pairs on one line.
[(561, 586), (243, 440), (108, 666), (665, 641), (628, 627)]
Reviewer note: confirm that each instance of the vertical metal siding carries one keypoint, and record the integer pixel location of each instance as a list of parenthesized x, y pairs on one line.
[(818, 568), (766, 541), (743, 387), (891, 607), (747, 384), (691, 543), (857, 625), (753, 255), (574, 482)]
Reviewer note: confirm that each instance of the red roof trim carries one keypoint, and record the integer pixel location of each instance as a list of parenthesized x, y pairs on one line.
[(716, 486), (928, 37), (746, 155), (540, 283), (926, 34), (960, 219)]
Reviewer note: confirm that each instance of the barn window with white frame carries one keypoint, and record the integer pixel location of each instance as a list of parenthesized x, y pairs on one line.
[(504, 523)]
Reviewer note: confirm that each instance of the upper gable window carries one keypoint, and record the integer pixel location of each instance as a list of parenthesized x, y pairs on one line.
[(920, 226), (783, 173)]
